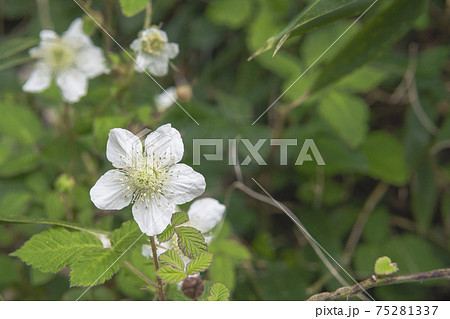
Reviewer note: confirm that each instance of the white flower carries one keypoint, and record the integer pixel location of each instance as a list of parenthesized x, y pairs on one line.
[(204, 214), (166, 99), (150, 178), (154, 51), (71, 59)]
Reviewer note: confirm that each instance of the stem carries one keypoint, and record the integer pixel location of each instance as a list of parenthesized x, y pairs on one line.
[(363, 217), (383, 281), (148, 15), (162, 296), (44, 14), (141, 275)]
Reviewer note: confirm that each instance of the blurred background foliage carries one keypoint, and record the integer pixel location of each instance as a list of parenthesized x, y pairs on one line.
[(376, 105)]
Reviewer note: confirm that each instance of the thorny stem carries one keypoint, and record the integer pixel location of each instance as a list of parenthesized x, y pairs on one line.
[(162, 296), (382, 281), (141, 275)]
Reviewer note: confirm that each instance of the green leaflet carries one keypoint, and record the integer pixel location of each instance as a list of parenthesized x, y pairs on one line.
[(179, 218), (384, 266), (219, 292), (190, 241), (126, 236), (375, 37), (167, 234), (199, 263), (317, 14), (171, 258), (132, 7), (169, 274), (55, 248), (94, 267)]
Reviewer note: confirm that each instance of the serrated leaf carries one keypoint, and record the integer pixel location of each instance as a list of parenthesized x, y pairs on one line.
[(374, 38), (94, 267), (190, 241), (171, 258), (384, 266), (132, 7), (317, 14), (219, 292), (179, 218), (55, 248), (348, 116), (199, 263), (167, 234), (126, 236), (169, 274)]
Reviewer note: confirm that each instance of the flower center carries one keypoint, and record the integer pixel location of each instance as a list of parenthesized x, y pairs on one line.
[(145, 178), (153, 43), (58, 56)]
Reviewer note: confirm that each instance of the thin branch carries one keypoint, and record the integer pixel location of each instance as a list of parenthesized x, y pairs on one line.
[(162, 296), (383, 281), (357, 230), (148, 15), (295, 219), (141, 275)]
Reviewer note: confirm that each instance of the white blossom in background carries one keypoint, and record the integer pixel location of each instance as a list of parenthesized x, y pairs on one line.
[(154, 51), (166, 99), (147, 176), (204, 214), (71, 59)]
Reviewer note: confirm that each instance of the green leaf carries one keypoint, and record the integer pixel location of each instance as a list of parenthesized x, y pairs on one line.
[(179, 218), (55, 248), (167, 234), (219, 292), (231, 13), (14, 203), (94, 267), (20, 123), (424, 194), (199, 263), (348, 115), (386, 159), (384, 266), (231, 249), (190, 241), (169, 274), (222, 270), (11, 47), (132, 7), (126, 236), (171, 258), (376, 37), (317, 14)]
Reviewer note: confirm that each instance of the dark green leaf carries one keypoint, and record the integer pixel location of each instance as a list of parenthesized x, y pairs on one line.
[(126, 236), (167, 234)]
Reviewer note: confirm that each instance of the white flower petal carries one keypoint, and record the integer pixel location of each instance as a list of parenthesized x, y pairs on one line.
[(75, 35), (91, 61), (48, 35), (136, 45), (73, 84), (166, 99), (143, 60), (205, 214), (159, 65), (122, 147), (171, 50), (154, 215), (110, 192), (165, 144), (184, 184), (39, 80), (160, 248), (162, 34)]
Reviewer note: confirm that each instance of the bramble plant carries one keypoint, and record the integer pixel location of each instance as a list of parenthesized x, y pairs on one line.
[(104, 103)]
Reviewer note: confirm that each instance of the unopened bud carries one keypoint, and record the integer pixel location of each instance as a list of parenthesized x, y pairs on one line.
[(64, 183), (193, 287), (184, 92)]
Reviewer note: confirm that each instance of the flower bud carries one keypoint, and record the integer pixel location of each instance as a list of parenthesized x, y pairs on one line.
[(193, 287)]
